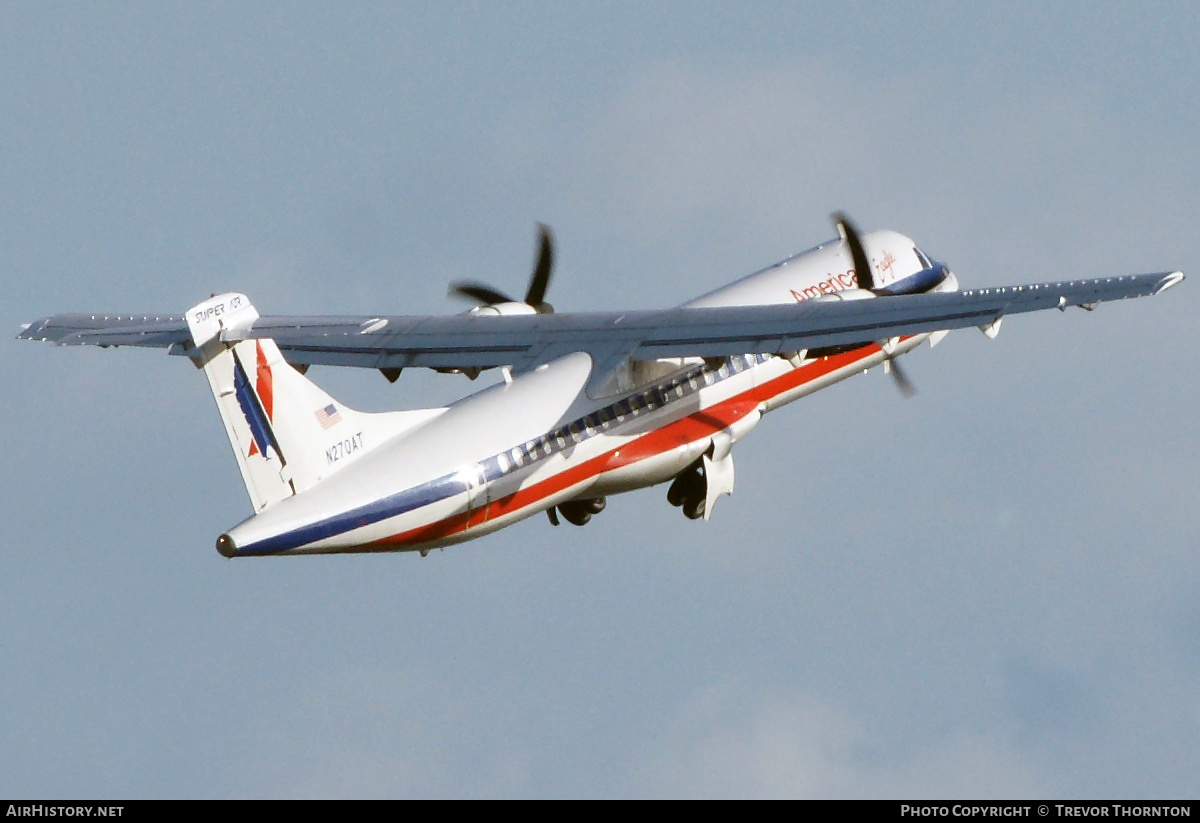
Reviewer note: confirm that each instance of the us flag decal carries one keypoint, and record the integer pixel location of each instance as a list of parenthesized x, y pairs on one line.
[(328, 416)]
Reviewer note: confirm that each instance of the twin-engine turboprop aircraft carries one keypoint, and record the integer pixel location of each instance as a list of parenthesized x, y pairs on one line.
[(591, 404)]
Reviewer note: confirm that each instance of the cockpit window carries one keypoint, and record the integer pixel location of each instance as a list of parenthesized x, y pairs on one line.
[(922, 259)]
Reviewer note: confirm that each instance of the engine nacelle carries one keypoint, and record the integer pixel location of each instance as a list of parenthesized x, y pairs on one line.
[(510, 308)]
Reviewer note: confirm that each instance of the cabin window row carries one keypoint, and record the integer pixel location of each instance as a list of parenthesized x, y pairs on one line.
[(633, 406)]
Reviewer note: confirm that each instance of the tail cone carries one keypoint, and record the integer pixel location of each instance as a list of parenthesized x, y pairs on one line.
[(226, 546)]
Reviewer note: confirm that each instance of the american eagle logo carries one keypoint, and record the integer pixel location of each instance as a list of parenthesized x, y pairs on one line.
[(257, 402)]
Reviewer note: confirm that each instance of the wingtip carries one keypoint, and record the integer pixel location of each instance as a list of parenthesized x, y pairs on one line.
[(1172, 279)]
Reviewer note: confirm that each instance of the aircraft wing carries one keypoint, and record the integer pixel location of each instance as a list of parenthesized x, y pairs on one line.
[(523, 341)]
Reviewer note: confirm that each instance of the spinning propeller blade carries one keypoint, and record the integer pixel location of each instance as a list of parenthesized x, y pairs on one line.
[(901, 380), (536, 294), (862, 266), (481, 293)]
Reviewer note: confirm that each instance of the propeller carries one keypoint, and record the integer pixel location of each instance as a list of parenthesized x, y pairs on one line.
[(901, 380), (535, 295), (866, 280), (862, 265)]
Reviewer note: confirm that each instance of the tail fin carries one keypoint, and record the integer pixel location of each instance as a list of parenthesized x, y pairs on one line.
[(287, 433)]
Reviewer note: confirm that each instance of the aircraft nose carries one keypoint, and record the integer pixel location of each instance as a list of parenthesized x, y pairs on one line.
[(226, 546), (948, 282)]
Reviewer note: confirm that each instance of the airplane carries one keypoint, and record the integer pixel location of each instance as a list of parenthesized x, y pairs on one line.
[(589, 405)]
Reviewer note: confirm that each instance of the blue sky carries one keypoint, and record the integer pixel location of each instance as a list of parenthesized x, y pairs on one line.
[(986, 590)]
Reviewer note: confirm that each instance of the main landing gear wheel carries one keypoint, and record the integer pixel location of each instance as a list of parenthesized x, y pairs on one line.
[(693, 508), (687, 491)]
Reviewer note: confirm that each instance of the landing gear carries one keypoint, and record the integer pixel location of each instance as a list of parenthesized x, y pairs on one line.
[(689, 484), (577, 512), (687, 491)]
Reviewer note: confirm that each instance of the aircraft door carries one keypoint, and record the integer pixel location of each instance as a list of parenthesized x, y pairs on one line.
[(477, 495)]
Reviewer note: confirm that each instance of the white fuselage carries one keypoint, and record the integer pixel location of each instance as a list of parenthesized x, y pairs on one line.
[(542, 439)]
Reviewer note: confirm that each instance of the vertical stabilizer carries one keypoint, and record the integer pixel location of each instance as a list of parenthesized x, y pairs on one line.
[(287, 433)]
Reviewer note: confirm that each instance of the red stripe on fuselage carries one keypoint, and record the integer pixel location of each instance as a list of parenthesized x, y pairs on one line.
[(687, 430)]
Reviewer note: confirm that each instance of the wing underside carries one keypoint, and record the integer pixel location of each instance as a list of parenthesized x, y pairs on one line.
[(469, 341)]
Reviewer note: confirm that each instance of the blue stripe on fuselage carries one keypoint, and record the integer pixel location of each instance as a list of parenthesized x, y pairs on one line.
[(917, 282), (390, 506)]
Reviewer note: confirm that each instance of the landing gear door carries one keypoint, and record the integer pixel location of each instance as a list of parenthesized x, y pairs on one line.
[(718, 475)]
